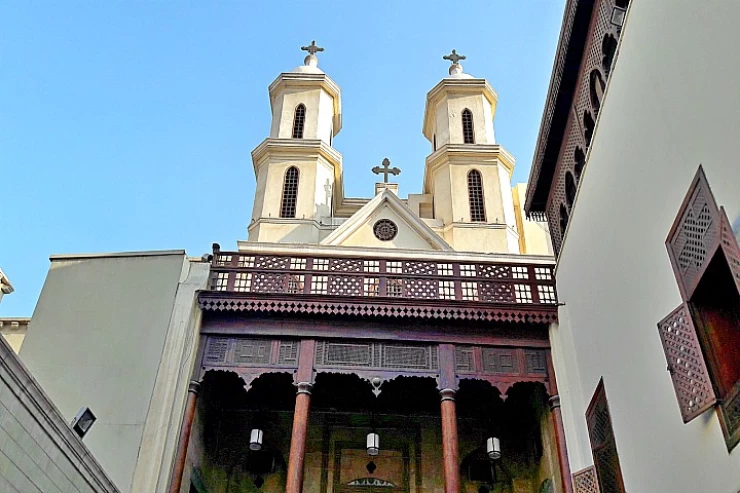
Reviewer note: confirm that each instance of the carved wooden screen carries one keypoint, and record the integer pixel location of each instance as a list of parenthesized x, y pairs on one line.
[(603, 443), (691, 379), (694, 236), (584, 481)]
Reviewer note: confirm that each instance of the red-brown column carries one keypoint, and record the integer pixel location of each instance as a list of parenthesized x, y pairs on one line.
[(449, 441), (182, 447), (297, 455), (557, 421)]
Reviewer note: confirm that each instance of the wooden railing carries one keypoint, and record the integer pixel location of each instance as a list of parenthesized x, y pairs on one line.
[(487, 282)]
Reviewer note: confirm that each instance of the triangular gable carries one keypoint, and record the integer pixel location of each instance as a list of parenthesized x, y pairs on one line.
[(413, 233)]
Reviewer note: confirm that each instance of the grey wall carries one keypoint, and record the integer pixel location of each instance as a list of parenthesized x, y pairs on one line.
[(98, 333)]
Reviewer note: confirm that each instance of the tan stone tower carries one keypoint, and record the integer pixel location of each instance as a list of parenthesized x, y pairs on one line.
[(467, 173), (296, 168)]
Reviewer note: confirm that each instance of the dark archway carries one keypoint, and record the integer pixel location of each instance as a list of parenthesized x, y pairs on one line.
[(596, 86), (579, 159), (588, 127), (570, 189), (608, 50)]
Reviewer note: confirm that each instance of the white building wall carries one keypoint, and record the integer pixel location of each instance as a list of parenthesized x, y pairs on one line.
[(100, 328), (671, 104)]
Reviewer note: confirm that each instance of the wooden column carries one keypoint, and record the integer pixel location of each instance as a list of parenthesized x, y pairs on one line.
[(448, 386), (557, 421), (304, 377), (184, 441)]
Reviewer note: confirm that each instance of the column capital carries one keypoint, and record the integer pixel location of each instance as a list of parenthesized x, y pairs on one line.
[(194, 387), (554, 402), (304, 388), (448, 394)]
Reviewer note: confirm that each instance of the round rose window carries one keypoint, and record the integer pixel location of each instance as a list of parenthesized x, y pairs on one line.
[(385, 230)]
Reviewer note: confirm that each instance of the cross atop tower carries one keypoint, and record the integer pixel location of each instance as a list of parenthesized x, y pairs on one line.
[(454, 57), (386, 170), (312, 49)]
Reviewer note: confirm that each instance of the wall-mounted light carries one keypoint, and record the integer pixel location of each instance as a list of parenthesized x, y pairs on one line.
[(493, 448), (373, 444), (255, 439), (83, 421)]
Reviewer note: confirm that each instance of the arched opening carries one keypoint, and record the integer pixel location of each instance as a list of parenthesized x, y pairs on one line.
[(570, 188), (299, 121), (622, 3), (596, 90), (588, 127), (475, 196), (434, 142), (290, 193), (563, 220), (467, 123), (608, 50), (579, 159)]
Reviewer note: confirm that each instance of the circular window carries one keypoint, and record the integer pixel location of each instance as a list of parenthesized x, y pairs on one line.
[(385, 230)]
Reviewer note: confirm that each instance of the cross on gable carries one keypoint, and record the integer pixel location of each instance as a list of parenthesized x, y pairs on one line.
[(386, 170), (312, 49), (454, 57)]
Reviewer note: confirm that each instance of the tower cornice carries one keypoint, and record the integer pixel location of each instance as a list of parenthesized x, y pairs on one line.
[(298, 148), (464, 154)]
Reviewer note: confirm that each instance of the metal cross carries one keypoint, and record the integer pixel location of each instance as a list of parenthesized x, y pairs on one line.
[(386, 170), (312, 49), (453, 57)]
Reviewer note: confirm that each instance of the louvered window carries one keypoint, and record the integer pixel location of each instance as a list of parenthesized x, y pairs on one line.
[(700, 338), (603, 443), (299, 121), (475, 194), (467, 123), (290, 193)]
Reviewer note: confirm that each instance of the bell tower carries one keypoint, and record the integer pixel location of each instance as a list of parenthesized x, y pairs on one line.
[(298, 171), (467, 173)]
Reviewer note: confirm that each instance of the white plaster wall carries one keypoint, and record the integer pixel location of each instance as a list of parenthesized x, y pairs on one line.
[(324, 124), (671, 104), (449, 118), (319, 112), (99, 330)]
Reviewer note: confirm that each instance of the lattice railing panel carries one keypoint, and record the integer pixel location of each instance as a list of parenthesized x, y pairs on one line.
[(376, 355), (250, 352), (686, 363), (584, 481), (498, 283)]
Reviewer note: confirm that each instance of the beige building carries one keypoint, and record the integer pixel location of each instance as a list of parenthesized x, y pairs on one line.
[(265, 368), (637, 173)]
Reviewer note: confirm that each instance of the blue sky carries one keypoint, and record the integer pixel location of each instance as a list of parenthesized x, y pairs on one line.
[(129, 125)]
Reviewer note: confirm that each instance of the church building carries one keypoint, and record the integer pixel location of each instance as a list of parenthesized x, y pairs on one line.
[(348, 345)]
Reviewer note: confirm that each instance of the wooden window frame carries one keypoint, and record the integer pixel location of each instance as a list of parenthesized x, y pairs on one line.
[(476, 197), (600, 404), (299, 121), (467, 127), (289, 200)]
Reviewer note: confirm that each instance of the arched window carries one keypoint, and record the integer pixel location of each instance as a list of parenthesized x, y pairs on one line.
[(570, 188), (563, 221), (467, 122), (580, 161), (608, 50), (299, 121), (596, 90), (290, 193), (622, 3), (588, 127), (475, 194)]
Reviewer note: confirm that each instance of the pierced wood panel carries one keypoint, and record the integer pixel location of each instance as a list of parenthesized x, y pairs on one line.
[(603, 443), (695, 235), (495, 360), (730, 248), (686, 363), (584, 481), (250, 352), (376, 355)]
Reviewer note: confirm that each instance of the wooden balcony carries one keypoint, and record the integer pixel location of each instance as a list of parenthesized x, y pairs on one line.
[(381, 286)]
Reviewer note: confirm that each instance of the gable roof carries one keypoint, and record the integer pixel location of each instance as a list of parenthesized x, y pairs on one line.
[(391, 200)]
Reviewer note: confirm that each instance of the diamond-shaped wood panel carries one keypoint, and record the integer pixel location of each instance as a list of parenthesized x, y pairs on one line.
[(584, 481), (686, 363)]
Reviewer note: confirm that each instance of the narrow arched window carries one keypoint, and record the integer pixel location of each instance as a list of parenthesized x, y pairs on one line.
[(596, 90), (290, 193), (467, 122), (608, 50), (299, 121), (570, 188), (563, 220), (580, 161), (475, 194), (588, 127)]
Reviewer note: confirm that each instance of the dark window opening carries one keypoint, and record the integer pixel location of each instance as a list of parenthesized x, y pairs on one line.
[(588, 127), (608, 50), (596, 90), (475, 195), (299, 121), (580, 161), (434, 142), (290, 193), (467, 122), (715, 308), (570, 189), (622, 3), (563, 221)]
